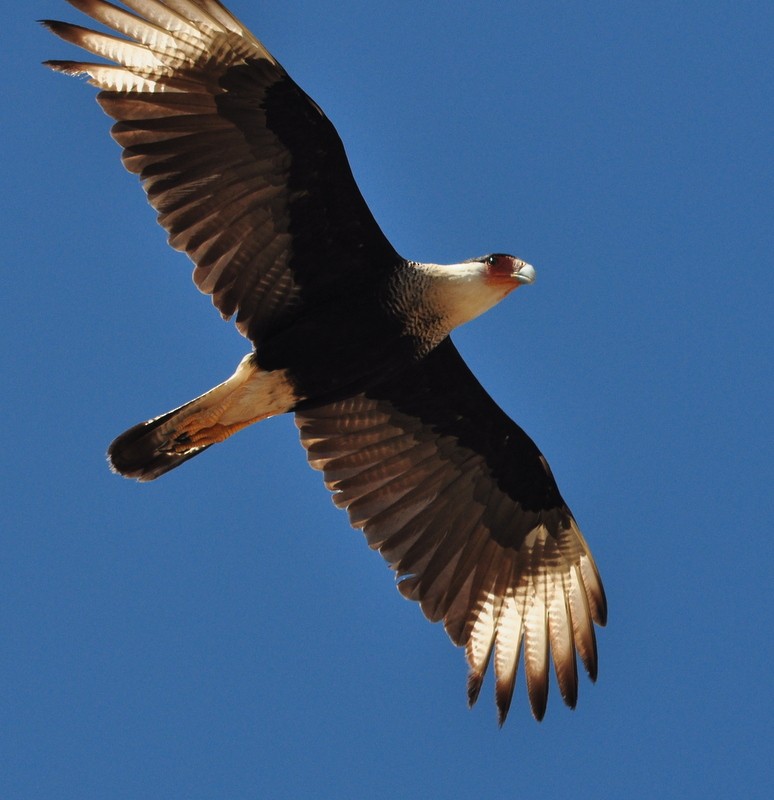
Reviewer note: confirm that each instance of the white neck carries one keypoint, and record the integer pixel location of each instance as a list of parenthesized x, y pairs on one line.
[(458, 293)]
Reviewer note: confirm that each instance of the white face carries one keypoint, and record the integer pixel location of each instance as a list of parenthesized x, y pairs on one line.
[(459, 293)]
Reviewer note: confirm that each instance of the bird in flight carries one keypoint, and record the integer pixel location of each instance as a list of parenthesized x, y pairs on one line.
[(251, 180)]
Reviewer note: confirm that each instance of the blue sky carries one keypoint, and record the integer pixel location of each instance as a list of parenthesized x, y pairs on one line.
[(222, 632)]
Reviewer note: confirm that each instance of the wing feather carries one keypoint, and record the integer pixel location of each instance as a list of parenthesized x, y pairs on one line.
[(239, 163), (508, 650), (561, 636), (464, 508)]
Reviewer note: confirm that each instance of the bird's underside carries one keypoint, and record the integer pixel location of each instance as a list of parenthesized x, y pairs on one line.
[(250, 179)]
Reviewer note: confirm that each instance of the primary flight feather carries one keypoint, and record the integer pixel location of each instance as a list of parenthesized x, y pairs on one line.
[(251, 180)]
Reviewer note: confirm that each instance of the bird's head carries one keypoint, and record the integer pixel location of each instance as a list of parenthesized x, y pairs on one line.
[(504, 271), (459, 293)]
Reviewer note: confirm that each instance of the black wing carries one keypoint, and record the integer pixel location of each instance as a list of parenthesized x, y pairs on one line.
[(461, 503), (248, 175)]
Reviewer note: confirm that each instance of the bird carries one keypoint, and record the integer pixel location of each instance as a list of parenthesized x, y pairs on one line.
[(251, 180)]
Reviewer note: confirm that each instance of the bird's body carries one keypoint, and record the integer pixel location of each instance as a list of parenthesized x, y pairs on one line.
[(251, 180)]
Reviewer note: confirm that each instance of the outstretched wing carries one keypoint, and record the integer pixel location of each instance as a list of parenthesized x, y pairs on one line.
[(247, 174), (461, 503)]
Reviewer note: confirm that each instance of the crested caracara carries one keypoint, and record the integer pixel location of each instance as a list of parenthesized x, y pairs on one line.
[(251, 180)]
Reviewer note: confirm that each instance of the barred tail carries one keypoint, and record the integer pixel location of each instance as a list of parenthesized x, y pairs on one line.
[(154, 447)]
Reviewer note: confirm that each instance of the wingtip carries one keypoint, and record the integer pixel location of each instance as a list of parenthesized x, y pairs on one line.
[(475, 680), (601, 607), (538, 706), (591, 659), (57, 27), (592, 669), (570, 694), (537, 689), (65, 67), (503, 698)]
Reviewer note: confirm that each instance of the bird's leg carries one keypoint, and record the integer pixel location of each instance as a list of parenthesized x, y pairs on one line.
[(249, 395)]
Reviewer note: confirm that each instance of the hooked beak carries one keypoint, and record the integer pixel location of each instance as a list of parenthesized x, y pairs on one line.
[(524, 273)]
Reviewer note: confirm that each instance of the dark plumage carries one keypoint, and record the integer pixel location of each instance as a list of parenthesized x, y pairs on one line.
[(250, 179)]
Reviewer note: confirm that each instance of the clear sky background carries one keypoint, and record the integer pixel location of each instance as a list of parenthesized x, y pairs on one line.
[(222, 633)]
